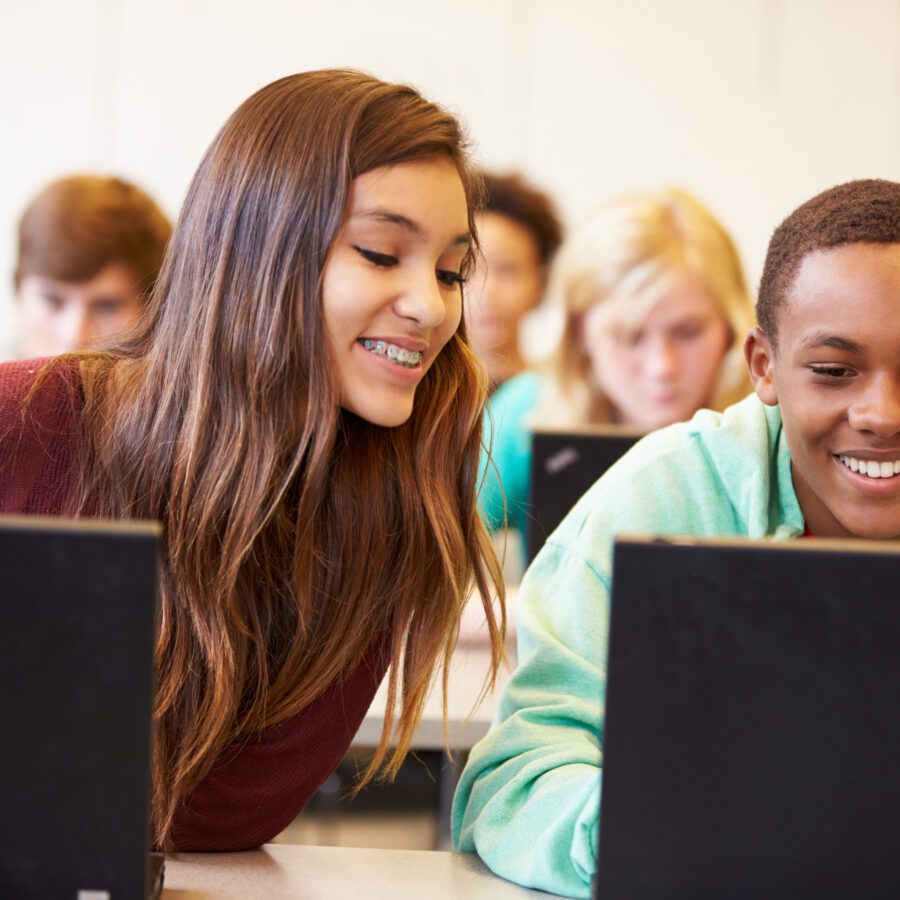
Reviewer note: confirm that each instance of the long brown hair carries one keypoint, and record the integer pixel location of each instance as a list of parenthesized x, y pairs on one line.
[(296, 534)]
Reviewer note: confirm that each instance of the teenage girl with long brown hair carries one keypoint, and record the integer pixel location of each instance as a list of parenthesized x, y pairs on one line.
[(300, 410)]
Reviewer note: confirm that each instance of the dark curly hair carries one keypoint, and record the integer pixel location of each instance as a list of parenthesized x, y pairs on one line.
[(858, 212), (512, 196)]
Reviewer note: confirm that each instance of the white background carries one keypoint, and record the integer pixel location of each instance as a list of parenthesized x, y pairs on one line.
[(754, 105)]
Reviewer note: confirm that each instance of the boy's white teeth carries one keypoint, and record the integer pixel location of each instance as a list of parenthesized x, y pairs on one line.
[(872, 468), (409, 359)]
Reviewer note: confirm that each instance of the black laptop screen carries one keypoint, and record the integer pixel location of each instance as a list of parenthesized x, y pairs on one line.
[(76, 664), (564, 464), (752, 726)]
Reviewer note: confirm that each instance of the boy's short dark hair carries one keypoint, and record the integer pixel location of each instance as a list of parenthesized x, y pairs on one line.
[(857, 212), (512, 196), (78, 225)]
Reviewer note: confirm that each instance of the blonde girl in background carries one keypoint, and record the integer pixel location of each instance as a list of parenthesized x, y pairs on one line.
[(654, 310)]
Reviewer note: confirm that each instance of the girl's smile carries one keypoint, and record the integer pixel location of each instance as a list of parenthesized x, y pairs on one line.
[(392, 286)]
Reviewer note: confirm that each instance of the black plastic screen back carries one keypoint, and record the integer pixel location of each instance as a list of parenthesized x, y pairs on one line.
[(563, 466), (752, 728), (76, 657)]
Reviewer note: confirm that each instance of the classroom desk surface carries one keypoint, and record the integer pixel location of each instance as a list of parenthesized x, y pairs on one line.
[(468, 723), (295, 872)]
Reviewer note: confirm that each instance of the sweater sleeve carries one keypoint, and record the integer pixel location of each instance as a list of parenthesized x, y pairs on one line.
[(40, 438), (528, 800)]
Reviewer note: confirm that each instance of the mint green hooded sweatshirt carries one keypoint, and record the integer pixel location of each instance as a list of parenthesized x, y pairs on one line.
[(529, 798)]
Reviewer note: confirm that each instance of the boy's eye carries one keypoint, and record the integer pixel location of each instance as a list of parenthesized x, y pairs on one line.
[(450, 278), (378, 259), (108, 307), (52, 302), (832, 372)]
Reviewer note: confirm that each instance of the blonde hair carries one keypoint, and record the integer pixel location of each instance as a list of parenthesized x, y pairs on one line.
[(628, 255)]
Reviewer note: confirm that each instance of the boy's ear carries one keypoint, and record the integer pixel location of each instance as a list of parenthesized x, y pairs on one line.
[(760, 356)]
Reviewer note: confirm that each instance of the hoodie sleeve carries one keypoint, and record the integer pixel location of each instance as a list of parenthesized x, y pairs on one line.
[(528, 800)]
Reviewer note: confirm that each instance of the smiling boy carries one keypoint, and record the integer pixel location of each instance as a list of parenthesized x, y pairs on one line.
[(815, 451), (828, 353)]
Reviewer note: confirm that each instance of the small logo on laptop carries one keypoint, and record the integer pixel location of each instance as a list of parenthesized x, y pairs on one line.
[(560, 460)]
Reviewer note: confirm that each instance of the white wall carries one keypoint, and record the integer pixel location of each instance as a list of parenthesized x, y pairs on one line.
[(755, 105)]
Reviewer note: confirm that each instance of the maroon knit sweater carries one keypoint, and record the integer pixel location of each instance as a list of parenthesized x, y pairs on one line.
[(258, 786)]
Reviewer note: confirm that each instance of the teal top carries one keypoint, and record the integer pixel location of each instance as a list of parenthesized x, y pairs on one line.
[(508, 434), (528, 800)]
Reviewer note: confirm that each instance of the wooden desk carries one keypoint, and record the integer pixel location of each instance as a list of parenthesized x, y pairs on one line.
[(467, 723), (286, 872)]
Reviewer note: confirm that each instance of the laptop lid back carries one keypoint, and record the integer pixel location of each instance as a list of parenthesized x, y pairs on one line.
[(76, 665), (752, 725), (564, 464)]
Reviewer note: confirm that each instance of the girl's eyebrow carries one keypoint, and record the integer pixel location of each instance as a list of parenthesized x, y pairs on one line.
[(835, 342), (380, 214)]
